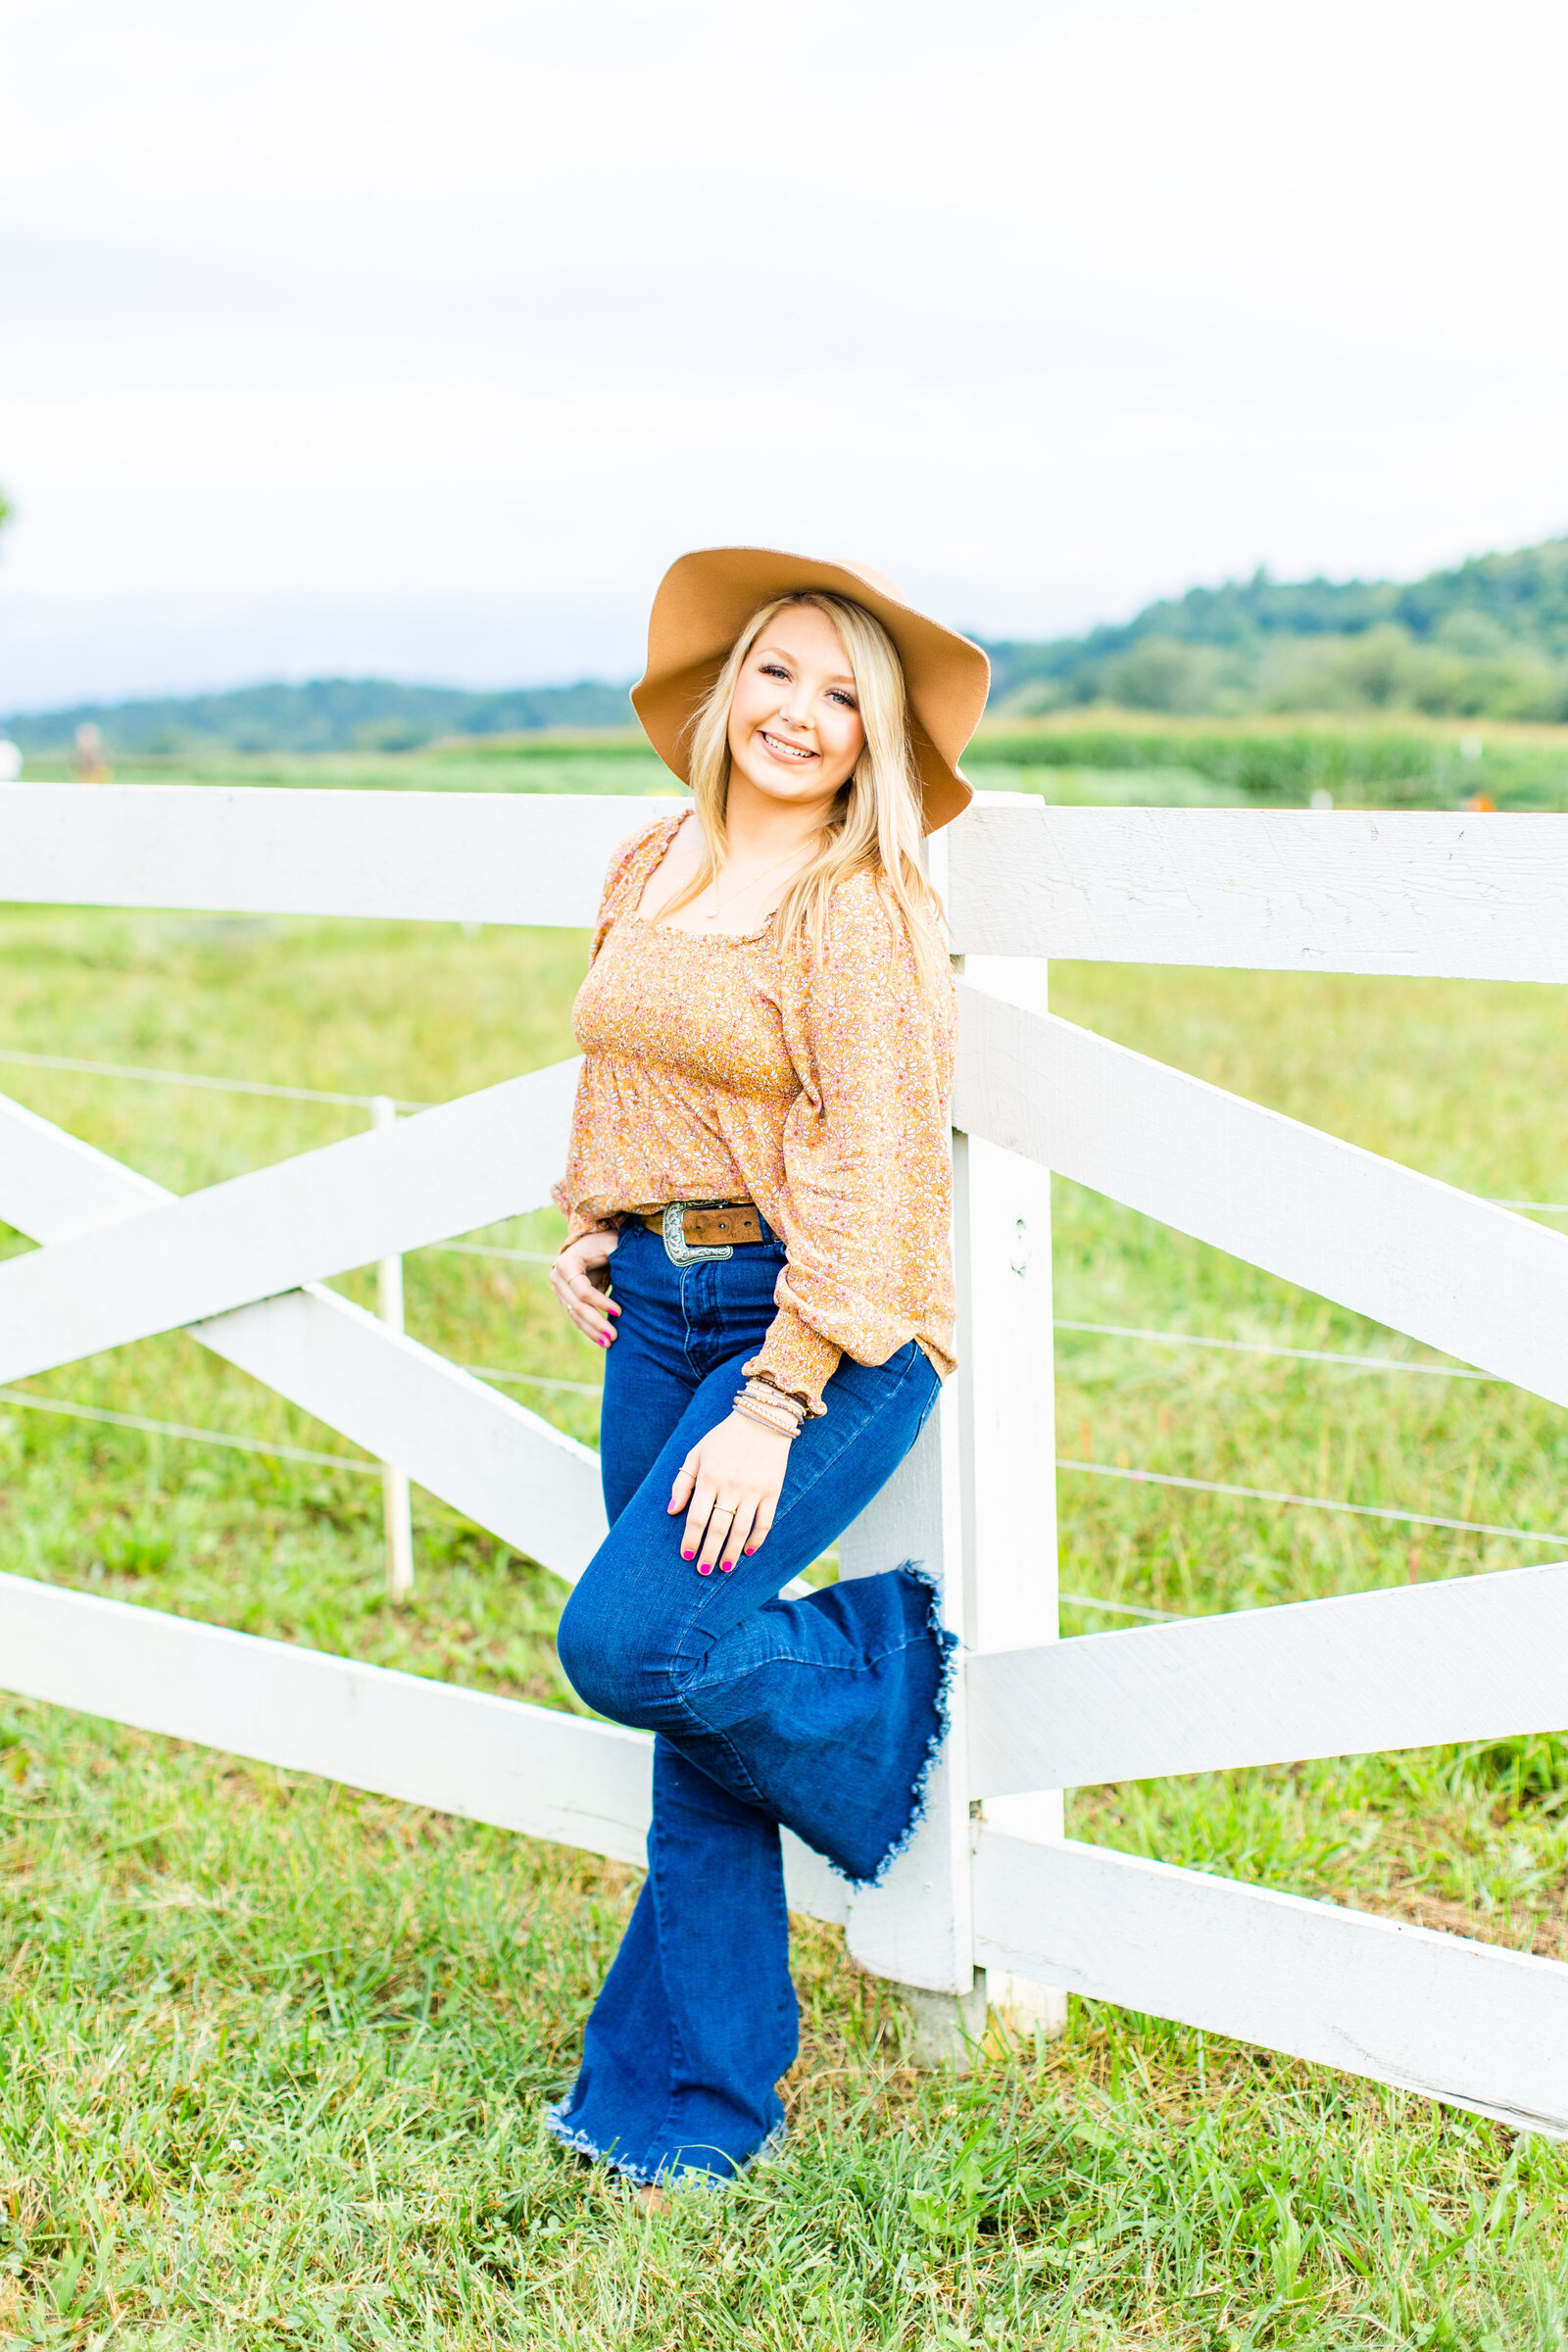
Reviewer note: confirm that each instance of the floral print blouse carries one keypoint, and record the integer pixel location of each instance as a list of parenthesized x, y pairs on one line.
[(729, 1069)]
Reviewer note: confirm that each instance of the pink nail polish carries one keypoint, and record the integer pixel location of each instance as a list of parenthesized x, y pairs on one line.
[(750, 1549), (688, 1556), (704, 1567), (729, 1566)]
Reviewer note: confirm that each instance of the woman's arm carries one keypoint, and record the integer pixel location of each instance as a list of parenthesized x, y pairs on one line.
[(868, 1192), (867, 1195)]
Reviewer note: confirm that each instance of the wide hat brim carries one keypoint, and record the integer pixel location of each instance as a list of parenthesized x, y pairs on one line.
[(706, 598)]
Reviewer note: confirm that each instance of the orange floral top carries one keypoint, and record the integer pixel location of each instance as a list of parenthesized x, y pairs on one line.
[(730, 1069)]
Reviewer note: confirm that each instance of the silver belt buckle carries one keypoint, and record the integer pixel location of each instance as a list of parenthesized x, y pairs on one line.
[(677, 1248)]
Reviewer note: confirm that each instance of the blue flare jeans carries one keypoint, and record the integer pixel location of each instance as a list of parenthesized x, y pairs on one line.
[(823, 1714)]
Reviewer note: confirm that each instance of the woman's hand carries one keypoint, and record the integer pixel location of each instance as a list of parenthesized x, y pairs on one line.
[(731, 1483), (584, 1301)]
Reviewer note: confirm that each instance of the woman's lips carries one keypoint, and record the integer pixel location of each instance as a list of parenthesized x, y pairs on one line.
[(785, 751)]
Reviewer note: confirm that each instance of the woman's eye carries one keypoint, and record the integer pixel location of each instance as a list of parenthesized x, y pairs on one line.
[(848, 700), (774, 669)]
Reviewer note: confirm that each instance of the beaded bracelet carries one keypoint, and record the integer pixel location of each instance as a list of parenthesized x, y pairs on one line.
[(774, 1416), (763, 1390), (781, 1428), (771, 1408)]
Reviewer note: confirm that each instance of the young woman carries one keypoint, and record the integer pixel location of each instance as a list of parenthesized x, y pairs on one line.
[(757, 1191)]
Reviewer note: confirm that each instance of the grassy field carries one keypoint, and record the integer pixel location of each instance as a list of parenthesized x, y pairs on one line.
[(276, 2053), (620, 762)]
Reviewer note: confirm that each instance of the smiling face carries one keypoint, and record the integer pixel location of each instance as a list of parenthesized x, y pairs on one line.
[(794, 726)]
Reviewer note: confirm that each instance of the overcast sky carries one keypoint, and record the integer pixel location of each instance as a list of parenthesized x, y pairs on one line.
[(358, 335)]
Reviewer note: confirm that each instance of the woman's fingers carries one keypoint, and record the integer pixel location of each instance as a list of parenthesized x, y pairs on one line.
[(584, 1302), (685, 1479), (714, 1545), (587, 1297), (729, 1487), (584, 1319), (737, 1536), (762, 1521), (694, 1534)]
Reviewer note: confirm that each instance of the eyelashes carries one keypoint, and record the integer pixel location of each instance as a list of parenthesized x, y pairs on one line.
[(776, 669)]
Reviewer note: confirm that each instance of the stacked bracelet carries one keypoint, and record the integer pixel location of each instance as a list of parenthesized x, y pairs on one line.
[(771, 1408), (766, 1417)]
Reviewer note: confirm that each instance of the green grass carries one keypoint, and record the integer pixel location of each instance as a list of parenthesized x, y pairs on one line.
[(276, 2053), (610, 763)]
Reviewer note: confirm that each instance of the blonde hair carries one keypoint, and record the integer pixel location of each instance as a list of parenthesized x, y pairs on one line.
[(875, 825)]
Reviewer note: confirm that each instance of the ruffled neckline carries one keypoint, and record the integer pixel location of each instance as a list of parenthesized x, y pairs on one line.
[(662, 838)]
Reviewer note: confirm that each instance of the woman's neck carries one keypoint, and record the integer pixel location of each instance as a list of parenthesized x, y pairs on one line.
[(757, 827)]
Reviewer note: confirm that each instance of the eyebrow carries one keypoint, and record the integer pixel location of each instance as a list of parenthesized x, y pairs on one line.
[(842, 677)]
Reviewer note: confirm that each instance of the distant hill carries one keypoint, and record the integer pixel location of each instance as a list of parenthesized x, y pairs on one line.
[(1487, 639), (1490, 636), (330, 715)]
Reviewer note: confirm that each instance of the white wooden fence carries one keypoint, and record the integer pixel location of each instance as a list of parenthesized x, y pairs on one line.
[(990, 1883)]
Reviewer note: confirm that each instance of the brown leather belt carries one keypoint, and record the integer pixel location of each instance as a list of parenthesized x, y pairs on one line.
[(717, 1228)]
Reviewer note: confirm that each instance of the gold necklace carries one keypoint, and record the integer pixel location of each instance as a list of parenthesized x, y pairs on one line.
[(711, 914)]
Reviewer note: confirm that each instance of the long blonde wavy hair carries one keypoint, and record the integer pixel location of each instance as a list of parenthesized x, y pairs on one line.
[(874, 826)]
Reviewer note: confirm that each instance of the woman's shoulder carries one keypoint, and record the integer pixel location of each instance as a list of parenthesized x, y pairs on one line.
[(866, 919), (869, 968), (630, 865), (860, 903), (634, 859)]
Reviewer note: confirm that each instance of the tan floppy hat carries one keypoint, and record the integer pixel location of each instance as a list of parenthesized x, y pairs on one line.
[(706, 599)]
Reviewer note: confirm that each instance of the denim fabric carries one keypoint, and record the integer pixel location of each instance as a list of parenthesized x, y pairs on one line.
[(823, 1714)]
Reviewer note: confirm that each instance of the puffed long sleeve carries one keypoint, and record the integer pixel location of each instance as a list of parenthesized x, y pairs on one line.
[(866, 1196)]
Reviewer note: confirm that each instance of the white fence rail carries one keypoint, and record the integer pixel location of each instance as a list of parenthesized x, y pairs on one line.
[(1478, 1658), (1477, 896), (1469, 897), (1481, 1283)]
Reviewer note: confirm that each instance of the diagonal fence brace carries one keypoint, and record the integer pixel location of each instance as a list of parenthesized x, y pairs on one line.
[(181, 1260), (487, 1457), (1417, 1255)]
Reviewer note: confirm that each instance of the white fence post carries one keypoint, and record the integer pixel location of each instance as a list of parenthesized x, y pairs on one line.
[(917, 1927), (394, 1480), (1007, 1419)]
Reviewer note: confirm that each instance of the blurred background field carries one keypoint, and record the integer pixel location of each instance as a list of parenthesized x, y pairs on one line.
[(1429, 694), (373, 1972), (1112, 756)]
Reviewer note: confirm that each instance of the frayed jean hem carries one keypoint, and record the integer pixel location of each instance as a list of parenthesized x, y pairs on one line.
[(919, 1792), (671, 2172)]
